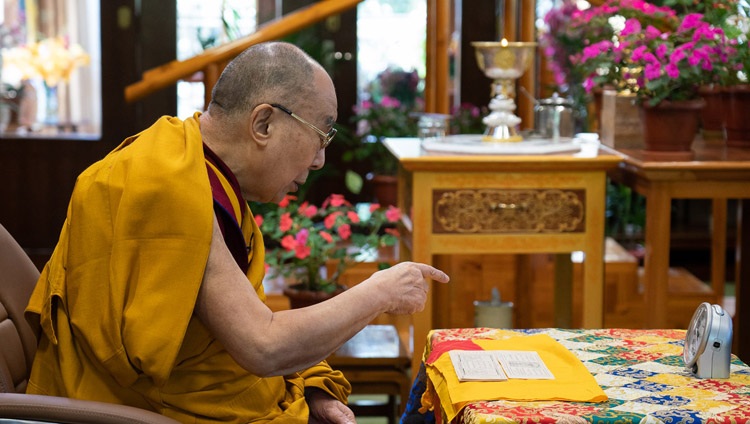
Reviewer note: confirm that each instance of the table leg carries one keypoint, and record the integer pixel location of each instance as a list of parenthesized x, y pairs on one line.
[(656, 264), (718, 247), (563, 291), (742, 282)]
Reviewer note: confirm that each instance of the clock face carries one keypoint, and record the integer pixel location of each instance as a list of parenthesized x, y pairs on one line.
[(696, 336)]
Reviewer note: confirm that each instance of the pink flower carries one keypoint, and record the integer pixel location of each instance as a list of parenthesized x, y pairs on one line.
[(632, 26), (595, 50), (392, 214), (589, 84), (302, 236), (259, 220), (652, 33), (652, 70), (390, 102), (672, 70), (374, 207), (661, 51), (638, 52), (690, 21)]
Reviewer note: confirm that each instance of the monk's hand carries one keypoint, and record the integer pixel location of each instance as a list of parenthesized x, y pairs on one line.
[(326, 409), (406, 284)]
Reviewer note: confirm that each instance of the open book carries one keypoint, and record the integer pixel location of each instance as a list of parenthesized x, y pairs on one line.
[(499, 365)]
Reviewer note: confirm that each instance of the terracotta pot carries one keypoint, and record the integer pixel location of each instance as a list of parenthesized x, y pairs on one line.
[(385, 188), (300, 298), (712, 114), (736, 120), (671, 126)]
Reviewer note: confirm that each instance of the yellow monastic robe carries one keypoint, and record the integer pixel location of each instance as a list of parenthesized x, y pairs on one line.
[(115, 302)]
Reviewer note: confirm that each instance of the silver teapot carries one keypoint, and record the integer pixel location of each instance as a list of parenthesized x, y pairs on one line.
[(554, 118)]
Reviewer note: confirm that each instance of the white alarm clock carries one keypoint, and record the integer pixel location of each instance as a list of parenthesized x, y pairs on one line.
[(708, 342)]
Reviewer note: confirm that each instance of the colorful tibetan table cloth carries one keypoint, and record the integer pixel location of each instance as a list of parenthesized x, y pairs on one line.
[(640, 371)]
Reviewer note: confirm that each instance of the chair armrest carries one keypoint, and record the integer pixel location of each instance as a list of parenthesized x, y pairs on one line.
[(55, 409)]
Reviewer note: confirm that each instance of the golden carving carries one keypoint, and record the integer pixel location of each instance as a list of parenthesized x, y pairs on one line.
[(508, 211)]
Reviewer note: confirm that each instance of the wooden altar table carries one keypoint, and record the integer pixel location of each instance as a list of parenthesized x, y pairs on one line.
[(477, 204), (715, 172)]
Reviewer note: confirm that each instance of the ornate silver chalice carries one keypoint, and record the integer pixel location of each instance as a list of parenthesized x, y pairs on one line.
[(504, 62)]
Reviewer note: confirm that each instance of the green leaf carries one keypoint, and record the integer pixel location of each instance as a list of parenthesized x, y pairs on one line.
[(353, 182)]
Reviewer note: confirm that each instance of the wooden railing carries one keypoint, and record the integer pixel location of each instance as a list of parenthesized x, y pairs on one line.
[(212, 61)]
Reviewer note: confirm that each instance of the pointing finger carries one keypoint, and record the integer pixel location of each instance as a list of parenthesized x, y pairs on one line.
[(432, 272)]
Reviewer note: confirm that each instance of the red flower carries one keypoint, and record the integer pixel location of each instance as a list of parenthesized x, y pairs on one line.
[(259, 220), (285, 222), (326, 236), (338, 200), (353, 217), (301, 252), (285, 201), (288, 242), (330, 220), (345, 231), (306, 238), (309, 211)]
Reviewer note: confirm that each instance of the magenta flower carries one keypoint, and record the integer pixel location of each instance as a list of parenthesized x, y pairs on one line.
[(632, 26)]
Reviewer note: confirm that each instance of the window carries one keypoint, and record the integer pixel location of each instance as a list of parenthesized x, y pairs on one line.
[(201, 25), (402, 45), (51, 74)]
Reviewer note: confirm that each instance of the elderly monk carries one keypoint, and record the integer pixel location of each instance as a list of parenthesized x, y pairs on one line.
[(153, 295)]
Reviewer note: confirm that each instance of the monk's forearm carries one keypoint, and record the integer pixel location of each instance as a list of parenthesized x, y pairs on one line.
[(320, 329)]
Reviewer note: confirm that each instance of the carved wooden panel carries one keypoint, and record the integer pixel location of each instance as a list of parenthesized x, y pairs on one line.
[(509, 211)]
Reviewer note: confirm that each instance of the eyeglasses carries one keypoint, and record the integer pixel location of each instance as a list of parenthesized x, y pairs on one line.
[(325, 138)]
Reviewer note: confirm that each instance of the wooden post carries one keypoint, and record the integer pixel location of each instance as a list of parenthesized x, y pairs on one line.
[(437, 95)]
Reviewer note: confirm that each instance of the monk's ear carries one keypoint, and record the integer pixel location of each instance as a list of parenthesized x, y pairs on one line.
[(261, 120)]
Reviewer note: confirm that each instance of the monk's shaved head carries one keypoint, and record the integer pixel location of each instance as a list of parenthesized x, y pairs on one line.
[(275, 72)]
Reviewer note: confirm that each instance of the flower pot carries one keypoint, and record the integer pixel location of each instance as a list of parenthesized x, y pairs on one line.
[(385, 188), (669, 128), (736, 123), (300, 297), (712, 114), (621, 126)]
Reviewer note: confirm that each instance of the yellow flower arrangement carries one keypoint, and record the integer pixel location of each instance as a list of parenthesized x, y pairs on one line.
[(52, 59)]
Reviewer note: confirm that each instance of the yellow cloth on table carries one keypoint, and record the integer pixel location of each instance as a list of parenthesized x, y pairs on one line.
[(572, 381), (115, 302)]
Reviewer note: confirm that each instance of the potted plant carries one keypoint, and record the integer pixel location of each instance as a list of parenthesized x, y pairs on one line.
[(302, 239), (665, 68), (734, 83), (467, 119), (392, 98)]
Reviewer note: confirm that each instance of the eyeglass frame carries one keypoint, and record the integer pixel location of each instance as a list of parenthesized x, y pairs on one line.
[(325, 138)]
